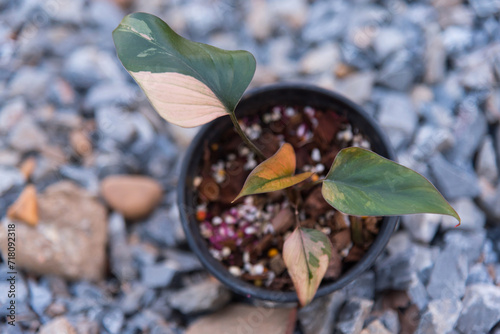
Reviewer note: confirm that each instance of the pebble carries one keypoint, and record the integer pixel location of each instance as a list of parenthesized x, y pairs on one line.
[(11, 177), (448, 276), (320, 316), (486, 163), (362, 287), (133, 196), (357, 86), (80, 143), (113, 321), (440, 317), (390, 320), (478, 273), (70, 243), (259, 20), (398, 117), (452, 181), (208, 295), (480, 309), (110, 94), (418, 294), (435, 56), (324, 58), (352, 315), (40, 297), (27, 136), (422, 227), (164, 227), (119, 251), (88, 65), (387, 41), (398, 71), (375, 327), (36, 79), (456, 39), (115, 124), (240, 317), (59, 325), (395, 272), (157, 275), (12, 111), (470, 243)]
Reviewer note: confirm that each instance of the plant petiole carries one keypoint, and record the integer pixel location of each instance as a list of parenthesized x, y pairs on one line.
[(244, 137)]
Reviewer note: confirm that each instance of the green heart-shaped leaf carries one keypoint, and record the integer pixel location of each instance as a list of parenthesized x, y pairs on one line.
[(188, 83), (363, 183), (306, 253), (273, 174)]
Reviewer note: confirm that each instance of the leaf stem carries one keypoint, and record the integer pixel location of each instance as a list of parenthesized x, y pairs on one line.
[(309, 185), (244, 137), (296, 213)]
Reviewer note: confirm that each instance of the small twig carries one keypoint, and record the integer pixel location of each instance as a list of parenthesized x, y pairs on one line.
[(296, 212)]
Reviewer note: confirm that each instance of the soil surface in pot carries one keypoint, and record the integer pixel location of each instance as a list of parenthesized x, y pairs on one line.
[(248, 235)]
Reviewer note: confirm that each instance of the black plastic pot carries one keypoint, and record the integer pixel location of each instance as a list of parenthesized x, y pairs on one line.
[(260, 100)]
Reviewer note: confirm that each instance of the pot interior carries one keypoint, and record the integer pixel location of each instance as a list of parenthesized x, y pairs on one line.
[(257, 101)]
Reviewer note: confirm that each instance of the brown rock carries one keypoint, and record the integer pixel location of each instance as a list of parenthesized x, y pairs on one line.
[(25, 208), (342, 70), (238, 318), (80, 143), (132, 195), (59, 325), (70, 238)]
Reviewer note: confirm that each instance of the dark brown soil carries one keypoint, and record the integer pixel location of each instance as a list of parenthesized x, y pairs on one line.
[(247, 236)]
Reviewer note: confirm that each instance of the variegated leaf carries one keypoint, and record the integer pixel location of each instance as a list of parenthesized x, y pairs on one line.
[(273, 174), (306, 253), (188, 83)]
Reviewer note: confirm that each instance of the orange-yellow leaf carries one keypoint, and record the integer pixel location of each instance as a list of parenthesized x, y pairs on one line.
[(275, 173), (306, 253)]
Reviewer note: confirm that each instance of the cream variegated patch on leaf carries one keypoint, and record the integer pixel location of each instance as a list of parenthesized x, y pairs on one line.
[(188, 83), (273, 174), (306, 254), (362, 183)]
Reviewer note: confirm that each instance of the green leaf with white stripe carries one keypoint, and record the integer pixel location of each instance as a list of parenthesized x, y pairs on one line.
[(188, 83), (362, 183)]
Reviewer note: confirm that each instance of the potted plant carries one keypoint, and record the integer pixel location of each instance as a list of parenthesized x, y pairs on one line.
[(190, 84)]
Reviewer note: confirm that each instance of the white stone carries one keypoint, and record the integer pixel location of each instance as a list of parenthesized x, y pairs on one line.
[(357, 86), (10, 177), (387, 41), (440, 317), (422, 227), (11, 113), (486, 164), (321, 59), (259, 20)]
